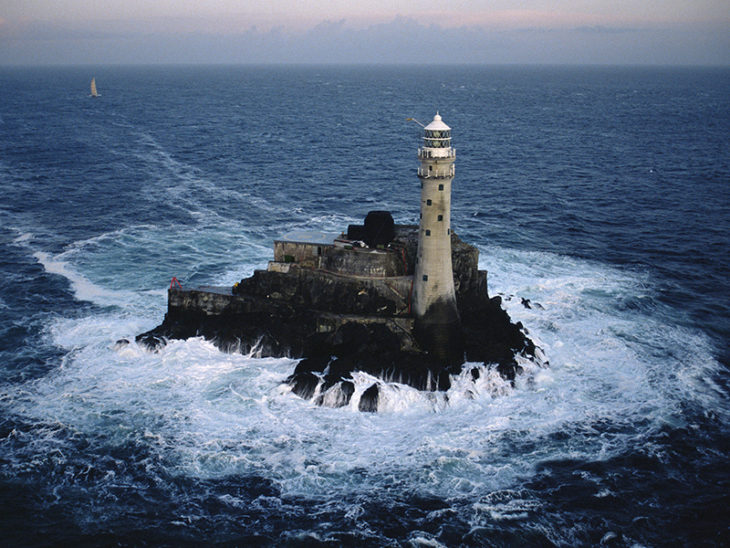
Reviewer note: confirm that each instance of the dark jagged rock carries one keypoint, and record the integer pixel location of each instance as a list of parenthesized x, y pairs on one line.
[(342, 324), (369, 399), (304, 384), (152, 341), (348, 389), (312, 364), (338, 394)]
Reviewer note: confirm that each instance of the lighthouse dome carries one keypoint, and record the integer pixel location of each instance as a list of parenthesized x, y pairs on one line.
[(437, 124)]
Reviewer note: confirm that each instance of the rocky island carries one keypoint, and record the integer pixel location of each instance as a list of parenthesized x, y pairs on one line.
[(406, 304)]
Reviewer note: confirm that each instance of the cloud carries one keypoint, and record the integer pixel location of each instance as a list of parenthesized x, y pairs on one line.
[(400, 40), (600, 29)]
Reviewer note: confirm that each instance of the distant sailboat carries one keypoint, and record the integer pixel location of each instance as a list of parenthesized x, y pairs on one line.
[(93, 88)]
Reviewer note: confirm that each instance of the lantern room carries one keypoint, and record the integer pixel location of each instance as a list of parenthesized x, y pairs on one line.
[(437, 134)]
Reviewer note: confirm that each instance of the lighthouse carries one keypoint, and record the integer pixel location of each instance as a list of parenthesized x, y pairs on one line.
[(437, 324)]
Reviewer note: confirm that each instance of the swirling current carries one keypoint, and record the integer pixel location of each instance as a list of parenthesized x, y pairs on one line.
[(601, 195)]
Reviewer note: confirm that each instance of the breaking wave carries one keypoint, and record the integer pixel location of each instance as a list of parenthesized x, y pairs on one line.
[(208, 414)]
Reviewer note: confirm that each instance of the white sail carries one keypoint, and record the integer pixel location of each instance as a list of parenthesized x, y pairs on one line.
[(93, 88)]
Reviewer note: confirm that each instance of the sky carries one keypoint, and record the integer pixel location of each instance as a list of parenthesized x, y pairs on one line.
[(644, 32)]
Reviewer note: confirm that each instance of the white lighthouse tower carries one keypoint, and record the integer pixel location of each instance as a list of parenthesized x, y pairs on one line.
[(437, 325)]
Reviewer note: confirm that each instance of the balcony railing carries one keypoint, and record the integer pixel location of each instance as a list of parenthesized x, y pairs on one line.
[(426, 153), (424, 173)]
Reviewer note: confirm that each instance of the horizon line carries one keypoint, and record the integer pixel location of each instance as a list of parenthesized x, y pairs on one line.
[(366, 64)]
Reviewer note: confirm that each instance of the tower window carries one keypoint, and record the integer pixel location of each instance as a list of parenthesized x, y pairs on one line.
[(428, 232), (441, 187), (448, 231), (428, 202), (425, 277), (430, 168), (441, 218)]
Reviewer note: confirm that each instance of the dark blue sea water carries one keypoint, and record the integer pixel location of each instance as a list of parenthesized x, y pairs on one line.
[(603, 194)]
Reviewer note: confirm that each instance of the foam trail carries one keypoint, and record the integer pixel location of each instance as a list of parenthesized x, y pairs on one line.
[(122, 267), (23, 238), (83, 288), (189, 179)]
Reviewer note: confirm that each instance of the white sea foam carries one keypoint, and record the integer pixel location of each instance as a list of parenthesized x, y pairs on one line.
[(209, 414), (84, 289), (23, 238), (124, 267)]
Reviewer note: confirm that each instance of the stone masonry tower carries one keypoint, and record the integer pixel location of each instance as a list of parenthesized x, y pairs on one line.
[(437, 324)]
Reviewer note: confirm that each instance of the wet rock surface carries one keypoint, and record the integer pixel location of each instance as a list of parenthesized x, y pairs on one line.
[(369, 400), (338, 329)]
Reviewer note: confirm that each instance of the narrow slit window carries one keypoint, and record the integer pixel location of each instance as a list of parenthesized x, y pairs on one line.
[(441, 187), (441, 218), (428, 202), (428, 232), (425, 277)]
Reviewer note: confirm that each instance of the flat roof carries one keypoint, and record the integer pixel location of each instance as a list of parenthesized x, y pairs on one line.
[(309, 237)]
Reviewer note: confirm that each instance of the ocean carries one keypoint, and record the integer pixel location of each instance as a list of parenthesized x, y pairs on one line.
[(600, 194)]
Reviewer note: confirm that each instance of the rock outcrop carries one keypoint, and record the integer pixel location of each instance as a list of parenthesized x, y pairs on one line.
[(341, 324)]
